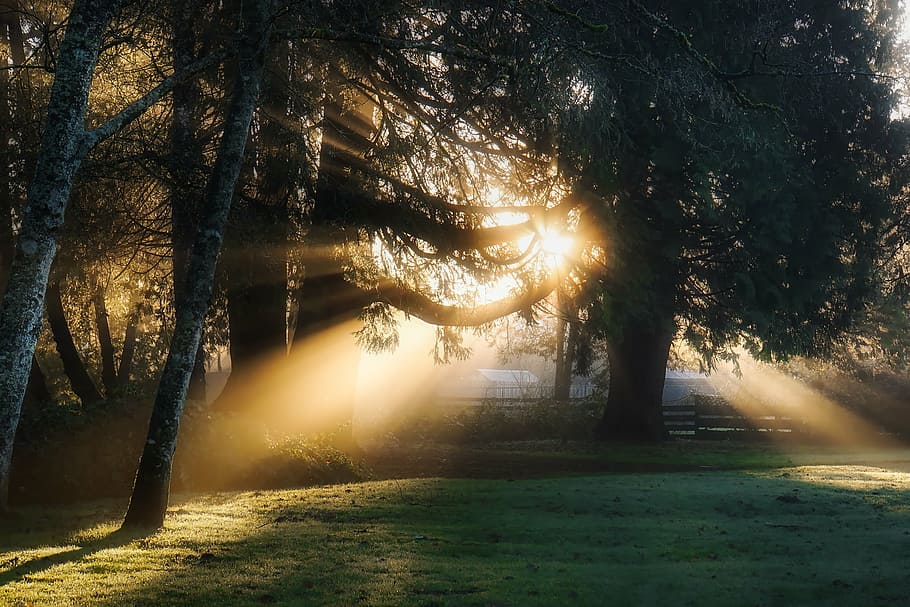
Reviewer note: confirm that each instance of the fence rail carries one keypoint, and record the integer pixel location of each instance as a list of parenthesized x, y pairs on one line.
[(710, 417), (694, 416), (514, 394)]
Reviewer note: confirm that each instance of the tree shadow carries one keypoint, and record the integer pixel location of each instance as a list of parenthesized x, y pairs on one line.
[(28, 526), (23, 566), (482, 543)]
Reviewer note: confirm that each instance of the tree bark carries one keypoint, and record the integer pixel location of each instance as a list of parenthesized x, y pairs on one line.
[(37, 391), (75, 370), (105, 343), (7, 247), (11, 37), (61, 153), (185, 157), (148, 502), (638, 367), (129, 348), (256, 266)]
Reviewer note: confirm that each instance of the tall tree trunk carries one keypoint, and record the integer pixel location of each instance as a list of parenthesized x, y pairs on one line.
[(561, 380), (561, 383), (256, 244), (75, 370), (257, 290), (185, 158), (567, 335), (11, 38), (61, 153), (129, 348), (638, 367), (105, 343), (7, 246), (148, 502)]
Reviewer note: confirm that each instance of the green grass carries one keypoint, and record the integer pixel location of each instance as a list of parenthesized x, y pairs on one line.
[(803, 535)]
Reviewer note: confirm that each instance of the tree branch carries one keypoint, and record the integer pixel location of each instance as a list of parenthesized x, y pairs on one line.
[(432, 312), (139, 106)]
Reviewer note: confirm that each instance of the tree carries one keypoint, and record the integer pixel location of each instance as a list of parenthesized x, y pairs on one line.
[(185, 158), (742, 203), (65, 143), (12, 95), (62, 149), (148, 502)]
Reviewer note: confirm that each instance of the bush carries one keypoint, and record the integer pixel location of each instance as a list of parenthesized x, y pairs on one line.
[(492, 421), (236, 451), (66, 453), (295, 462)]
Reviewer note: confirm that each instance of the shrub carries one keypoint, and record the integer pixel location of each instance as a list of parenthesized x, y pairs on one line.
[(492, 421)]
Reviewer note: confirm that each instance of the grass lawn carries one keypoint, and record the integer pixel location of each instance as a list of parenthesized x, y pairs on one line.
[(831, 534)]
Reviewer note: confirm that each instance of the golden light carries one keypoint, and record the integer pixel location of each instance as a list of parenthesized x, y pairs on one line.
[(393, 386), (555, 242), (766, 394)]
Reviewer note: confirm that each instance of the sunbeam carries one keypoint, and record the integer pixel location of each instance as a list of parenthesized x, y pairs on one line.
[(768, 396)]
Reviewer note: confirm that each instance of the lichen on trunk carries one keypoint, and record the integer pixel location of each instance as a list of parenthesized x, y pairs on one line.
[(148, 502), (62, 149)]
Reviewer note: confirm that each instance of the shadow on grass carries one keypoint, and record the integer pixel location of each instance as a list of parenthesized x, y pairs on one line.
[(22, 567), (807, 536), (699, 538)]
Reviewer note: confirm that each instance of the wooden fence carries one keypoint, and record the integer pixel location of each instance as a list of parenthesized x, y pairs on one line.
[(710, 417), (698, 416)]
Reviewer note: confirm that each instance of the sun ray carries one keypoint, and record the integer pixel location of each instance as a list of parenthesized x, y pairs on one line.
[(764, 393)]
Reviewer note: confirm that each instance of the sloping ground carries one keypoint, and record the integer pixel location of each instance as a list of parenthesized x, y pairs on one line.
[(810, 535)]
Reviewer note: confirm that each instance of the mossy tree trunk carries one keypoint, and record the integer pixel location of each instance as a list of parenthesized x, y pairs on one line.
[(149, 499), (62, 148)]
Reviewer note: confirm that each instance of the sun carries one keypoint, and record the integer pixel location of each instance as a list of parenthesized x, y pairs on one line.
[(555, 243)]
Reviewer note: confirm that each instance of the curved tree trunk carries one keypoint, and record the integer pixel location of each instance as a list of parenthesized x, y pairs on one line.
[(61, 153), (105, 343), (81, 382), (129, 348), (149, 499), (638, 367), (37, 390)]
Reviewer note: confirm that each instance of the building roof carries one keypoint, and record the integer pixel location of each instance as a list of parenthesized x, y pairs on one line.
[(680, 384)]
